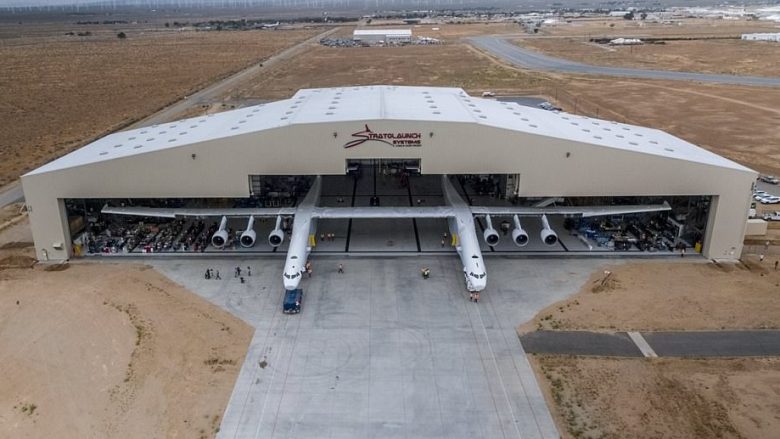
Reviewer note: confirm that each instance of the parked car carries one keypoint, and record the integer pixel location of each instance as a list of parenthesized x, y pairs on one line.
[(772, 216), (771, 199), (771, 179), (488, 94), (292, 301), (549, 107)]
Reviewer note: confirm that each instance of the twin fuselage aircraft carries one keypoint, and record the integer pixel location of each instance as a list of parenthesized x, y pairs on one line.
[(459, 215)]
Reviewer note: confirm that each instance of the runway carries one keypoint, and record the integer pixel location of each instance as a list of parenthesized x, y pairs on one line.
[(529, 59)]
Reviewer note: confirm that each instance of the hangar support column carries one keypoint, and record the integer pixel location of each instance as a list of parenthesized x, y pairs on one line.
[(50, 228)]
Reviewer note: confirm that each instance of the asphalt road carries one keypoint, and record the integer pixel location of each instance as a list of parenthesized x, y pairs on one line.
[(529, 59), (12, 194), (665, 344)]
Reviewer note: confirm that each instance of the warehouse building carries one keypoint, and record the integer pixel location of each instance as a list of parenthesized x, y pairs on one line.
[(389, 146), (382, 36), (762, 37)]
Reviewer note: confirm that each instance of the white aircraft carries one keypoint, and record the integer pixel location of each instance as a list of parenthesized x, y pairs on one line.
[(269, 25), (459, 215)]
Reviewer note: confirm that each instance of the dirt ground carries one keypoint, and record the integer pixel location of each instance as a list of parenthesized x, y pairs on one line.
[(657, 295), (451, 65), (731, 57), (618, 27), (102, 350), (57, 92), (662, 398), (738, 122)]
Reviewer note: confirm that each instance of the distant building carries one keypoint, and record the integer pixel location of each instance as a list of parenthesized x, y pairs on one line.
[(388, 36), (625, 42), (762, 37)]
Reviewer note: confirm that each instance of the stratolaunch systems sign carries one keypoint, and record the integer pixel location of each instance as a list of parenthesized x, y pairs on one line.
[(393, 139)]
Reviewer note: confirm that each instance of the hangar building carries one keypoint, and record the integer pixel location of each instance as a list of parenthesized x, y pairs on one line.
[(527, 156), (376, 36)]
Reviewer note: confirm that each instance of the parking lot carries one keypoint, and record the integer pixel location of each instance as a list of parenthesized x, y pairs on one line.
[(379, 352)]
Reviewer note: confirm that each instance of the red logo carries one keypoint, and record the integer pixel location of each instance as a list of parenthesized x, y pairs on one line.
[(392, 139)]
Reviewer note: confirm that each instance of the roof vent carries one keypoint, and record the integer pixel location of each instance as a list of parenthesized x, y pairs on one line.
[(586, 130), (482, 116), (633, 143), (437, 112), (131, 138), (597, 137), (654, 142), (182, 133), (144, 132), (117, 145), (329, 113), (669, 149), (619, 135), (150, 139), (524, 119), (104, 153), (533, 126), (138, 146), (235, 128), (241, 121), (330, 108), (171, 140), (193, 126)]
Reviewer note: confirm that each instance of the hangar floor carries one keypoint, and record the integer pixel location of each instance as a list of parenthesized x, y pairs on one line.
[(379, 352), (404, 236)]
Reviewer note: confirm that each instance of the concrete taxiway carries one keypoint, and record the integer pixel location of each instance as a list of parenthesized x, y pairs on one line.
[(379, 352), (530, 59)]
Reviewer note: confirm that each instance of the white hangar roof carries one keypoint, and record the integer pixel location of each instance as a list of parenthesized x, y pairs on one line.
[(375, 32), (348, 104)]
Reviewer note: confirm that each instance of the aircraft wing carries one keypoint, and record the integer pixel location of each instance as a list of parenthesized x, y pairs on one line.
[(384, 212), (162, 212), (583, 211)]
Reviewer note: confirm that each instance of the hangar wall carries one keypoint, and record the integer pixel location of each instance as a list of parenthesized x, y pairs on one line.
[(548, 167)]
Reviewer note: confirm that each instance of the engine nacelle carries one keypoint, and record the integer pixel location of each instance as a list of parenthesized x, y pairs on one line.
[(519, 236), (549, 237), (490, 234), (276, 237), (249, 236), (220, 237)]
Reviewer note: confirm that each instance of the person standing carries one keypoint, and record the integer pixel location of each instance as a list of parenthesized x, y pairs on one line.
[(217, 277), (341, 268), (249, 271)]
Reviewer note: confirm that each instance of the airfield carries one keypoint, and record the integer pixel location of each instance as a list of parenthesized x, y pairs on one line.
[(377, 351)]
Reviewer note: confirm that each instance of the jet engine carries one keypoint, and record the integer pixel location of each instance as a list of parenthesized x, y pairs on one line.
[(490, 234), (276, 237), (220, 237), (249, 235), (548, 235), (518, 234)]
